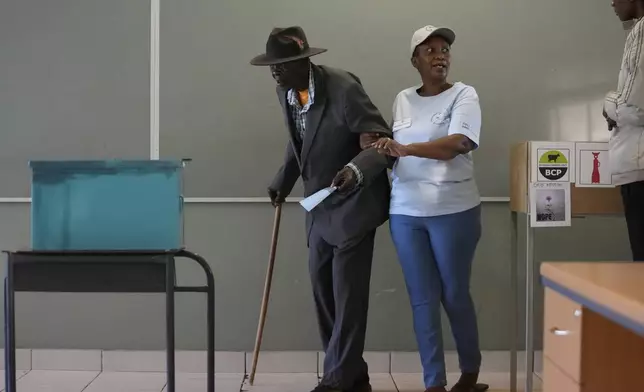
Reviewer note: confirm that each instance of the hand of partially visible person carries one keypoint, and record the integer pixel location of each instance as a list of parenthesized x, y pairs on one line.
[(391, 147), (276, 197), (368, 139), (345, 180), (611, 123)]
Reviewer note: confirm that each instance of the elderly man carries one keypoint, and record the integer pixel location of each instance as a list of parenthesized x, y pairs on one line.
[(328, 114)]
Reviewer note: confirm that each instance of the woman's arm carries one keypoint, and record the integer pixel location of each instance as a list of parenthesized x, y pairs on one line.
[(462, 137), (443, 149)]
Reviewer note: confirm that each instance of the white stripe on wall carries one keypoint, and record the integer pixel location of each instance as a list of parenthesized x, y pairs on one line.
[(235, 200), (155, 9)]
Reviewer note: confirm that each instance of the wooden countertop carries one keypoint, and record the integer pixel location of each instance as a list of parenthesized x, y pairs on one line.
[(615, 290)]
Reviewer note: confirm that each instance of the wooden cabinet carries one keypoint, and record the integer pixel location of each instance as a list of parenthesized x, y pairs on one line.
[(562, 334), (586, 352), (555, 380), (561, 342)]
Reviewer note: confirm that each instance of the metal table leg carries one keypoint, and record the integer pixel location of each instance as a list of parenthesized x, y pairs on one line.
[(10, 330), (210, 314), (6, 336), (514, 313), (529, 315), (211, 336), (170, 335)]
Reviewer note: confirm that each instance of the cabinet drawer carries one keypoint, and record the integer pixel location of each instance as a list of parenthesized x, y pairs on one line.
[(554, 380), (562, 333)]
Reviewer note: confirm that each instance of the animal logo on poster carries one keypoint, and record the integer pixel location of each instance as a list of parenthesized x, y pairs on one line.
[(595, 178), (553, 164)]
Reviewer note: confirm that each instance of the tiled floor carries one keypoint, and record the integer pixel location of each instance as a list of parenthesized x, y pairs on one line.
[(91, 381)]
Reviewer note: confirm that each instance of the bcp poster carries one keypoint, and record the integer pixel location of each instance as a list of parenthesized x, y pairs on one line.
[(552, 161)]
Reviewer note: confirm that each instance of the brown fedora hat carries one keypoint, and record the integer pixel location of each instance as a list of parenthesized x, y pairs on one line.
[(284, 45)]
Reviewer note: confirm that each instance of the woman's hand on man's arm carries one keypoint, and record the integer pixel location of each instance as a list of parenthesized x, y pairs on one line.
[(390, 147), (368, 139), (443, 149)]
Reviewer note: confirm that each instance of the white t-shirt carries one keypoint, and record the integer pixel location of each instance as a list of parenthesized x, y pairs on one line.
[(427, 187)]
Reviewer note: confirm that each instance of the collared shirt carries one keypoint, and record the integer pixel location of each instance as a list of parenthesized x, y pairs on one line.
[(299, 113)]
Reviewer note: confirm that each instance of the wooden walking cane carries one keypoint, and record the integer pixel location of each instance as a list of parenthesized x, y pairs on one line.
[(267, 291)]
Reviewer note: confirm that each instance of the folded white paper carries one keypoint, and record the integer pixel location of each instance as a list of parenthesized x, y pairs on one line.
[(318, 197)]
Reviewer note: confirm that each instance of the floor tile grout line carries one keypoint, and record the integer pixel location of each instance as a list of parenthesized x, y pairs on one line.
[(91, 381), (393, 380), (165, 385), (18, 377), (21, 376)]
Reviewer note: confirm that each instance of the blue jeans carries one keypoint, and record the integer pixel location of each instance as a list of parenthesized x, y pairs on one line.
[(436, 257)]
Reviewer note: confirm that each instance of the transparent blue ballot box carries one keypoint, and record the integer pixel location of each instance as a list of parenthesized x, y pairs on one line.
[(106, 205)]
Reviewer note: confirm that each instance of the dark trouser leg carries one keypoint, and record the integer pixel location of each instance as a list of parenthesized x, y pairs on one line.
[(633, 198), (321, 271), (343, 362)]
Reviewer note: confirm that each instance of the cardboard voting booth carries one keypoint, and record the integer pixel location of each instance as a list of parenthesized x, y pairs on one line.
[(565, 162), (552, 182)]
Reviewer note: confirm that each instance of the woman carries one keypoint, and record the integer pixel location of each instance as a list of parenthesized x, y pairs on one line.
[(435, 213)]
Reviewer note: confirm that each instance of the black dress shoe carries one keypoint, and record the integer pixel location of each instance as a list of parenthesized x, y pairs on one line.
[(361, 386), (325, 388), (436, 389), (478, 387), (468, 383)]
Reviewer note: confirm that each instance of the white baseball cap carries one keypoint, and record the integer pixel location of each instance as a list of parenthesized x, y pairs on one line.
[(430, 31)]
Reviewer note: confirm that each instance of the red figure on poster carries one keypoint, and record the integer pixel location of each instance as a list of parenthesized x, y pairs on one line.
[(596, 164)]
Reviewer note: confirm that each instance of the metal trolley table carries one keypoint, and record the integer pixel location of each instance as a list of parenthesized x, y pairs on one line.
[(136, 271)]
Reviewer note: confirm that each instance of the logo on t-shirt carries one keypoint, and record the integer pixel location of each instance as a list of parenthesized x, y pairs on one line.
[(439, 118)]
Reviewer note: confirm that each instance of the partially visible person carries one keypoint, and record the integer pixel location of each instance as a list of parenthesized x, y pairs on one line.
[(435, 213), (327, 114), (623, 110)]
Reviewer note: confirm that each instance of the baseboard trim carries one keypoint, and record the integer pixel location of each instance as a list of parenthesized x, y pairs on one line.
[(240, 362)]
